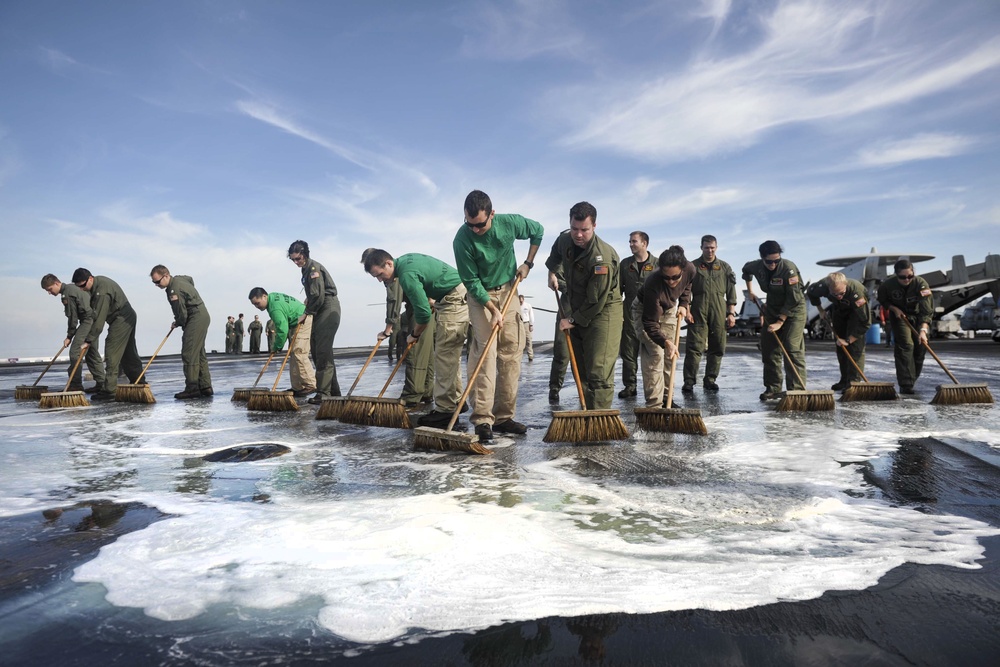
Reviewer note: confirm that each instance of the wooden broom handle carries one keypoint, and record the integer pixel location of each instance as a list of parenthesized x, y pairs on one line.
[(35, 383), (399, 363), (365, 367), (841, 348), (266, 364), (139, 379), (791, 364), (673, 362), (72, 373), (281, 370), (572, 357), (482, 357), (928, 346)]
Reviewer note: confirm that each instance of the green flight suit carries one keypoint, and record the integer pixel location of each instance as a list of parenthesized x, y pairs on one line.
[(255, 328), (917, 302), (230, 335), (191, 315), (80, 318), (713, 293), (632, 274), (560, 351), (850, 317), (782, 287), (324, 307), (592, 303), (238, 336), (111, 307)]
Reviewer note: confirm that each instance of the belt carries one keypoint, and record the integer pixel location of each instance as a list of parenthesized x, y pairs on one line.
[(498, 287)]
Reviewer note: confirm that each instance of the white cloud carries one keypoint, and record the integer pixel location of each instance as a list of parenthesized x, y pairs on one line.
[(520, 30), (925, 146)]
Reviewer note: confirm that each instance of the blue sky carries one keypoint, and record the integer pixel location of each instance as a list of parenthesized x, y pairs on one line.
[(209, 135)]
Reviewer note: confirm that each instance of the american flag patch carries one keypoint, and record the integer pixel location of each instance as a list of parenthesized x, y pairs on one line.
[(860, 302), (600, 270), (925, 292), (174, 297), (314, 274), (794, 280)]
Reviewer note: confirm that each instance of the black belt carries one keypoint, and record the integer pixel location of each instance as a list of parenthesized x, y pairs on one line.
[(501, 286)]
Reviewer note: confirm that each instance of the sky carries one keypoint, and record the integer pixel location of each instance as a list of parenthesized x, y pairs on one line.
[(209, 135)]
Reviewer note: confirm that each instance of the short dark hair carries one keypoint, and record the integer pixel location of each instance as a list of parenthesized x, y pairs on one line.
[(377, 257), (901, 264), (477, 201), (81, 275), (256, 292), (48, 280), (642, 235), (299, 247), (582, 211), (708, 238), (241, 314), (769, 248), (672, 256), (159, 268)]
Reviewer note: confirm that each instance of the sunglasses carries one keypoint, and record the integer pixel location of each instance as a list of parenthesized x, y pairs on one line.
[(476, 225), (772, 262), (906, 277), (157, 281), (673, 278)]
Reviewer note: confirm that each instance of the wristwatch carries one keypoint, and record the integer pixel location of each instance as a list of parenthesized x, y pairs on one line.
[(530, 265)]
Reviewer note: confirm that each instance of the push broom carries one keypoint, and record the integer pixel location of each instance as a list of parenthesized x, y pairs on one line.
[(66, 398), (954, 394), (333, 407), (139, 391), (428, 437), (583, 425), (378, 411), (802, 400), (866, 391), (671, 419), (274, 400), (34, 391), (242, 394)]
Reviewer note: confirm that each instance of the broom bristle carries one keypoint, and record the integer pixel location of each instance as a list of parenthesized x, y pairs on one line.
[(439, 440), (63, 399), (672, 420), (30, 392), (134, 393), (806, 401), (956, 394), (384, 412), (242, 394), (869, 391), (272, 401), (331, 408), (586, 426)]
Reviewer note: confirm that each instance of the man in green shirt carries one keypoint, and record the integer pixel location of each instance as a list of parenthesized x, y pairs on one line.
[(713, 311), (80, 318), (484, 256), (287, 314), (255, 328), (851, 317), (323, 307), (111, 307), (632, 273), (591, 305), (907, 296), (436, 293), (191, 315)]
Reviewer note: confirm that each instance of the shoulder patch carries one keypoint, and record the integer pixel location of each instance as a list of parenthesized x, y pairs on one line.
[(314, 274), (647, 267), (600, 270), (793, 280), (598, 258), (860, 302), (777, 281), (925, 292), (174, 297)]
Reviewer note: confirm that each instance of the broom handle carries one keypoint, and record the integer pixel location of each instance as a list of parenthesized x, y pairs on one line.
[(139, 379), (840, 348), (266, 364), (35, 383), (365, 367), (572, 357), (482, 357), (673, 363), (281, 370), (399, 363), (928, 346), (72, 373), (790, 363)]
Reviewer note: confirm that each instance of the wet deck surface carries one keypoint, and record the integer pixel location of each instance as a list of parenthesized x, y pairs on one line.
[(78, 480)]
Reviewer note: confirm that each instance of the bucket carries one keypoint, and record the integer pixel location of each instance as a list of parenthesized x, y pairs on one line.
[(874, 335)]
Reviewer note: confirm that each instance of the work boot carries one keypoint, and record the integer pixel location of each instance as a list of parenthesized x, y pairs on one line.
[(510, 426), (207, 391), (710, 385), (300, 393), (75, 387), (316, 400), (770, 395), (92, 389), (188, 394), (103, 396), (627, 392), (484, 432), (840, 386), (906, 389), (687, 388), (434, 419), (554, 395)]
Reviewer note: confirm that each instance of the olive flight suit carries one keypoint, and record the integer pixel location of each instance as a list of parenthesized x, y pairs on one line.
[(713, 292), (80, 318), (269, 330), (850, 317), (393, 310), (255, 328), (632, 274), (560, 352), (230, 335), (324, 307), (112, 307), (782, 287), (917, 302), (238, 336), (191, 315), (592, 303)]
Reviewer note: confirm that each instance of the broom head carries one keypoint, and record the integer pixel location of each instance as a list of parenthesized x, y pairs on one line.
[(671, 420), (869, 391), (440, 440), (806, 401), (272, 401), (30, 392), (134, 393), (63, 399), (586, 426), (956, 394), (242, 394), (331, 407), (385, 412)]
